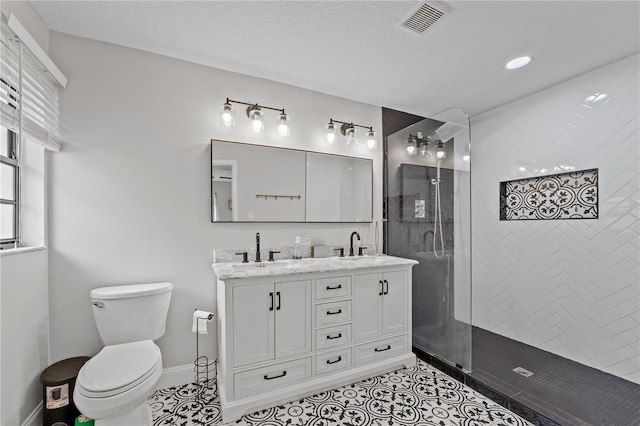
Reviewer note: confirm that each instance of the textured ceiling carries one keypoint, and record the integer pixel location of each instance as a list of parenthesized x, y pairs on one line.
[(355, 50)]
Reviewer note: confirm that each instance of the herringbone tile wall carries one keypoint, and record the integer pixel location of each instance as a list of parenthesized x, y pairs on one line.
[(571, 287)]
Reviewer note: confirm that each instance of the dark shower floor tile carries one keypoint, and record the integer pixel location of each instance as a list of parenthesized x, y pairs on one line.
[(562, 390)]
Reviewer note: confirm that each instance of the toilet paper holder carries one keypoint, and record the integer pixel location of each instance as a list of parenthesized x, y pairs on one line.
[(202, 366)]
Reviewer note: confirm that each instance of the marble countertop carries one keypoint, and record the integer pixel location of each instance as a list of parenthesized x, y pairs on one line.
[(231, 270)]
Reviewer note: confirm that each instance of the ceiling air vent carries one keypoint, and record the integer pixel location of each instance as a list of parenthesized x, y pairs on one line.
[(424, 16)]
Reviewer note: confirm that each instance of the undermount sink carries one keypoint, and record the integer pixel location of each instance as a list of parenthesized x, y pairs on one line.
[(249, 266), (362, 258)]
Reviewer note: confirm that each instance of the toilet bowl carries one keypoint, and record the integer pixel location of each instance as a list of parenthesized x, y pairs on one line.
[(118, 381), (113, 386)]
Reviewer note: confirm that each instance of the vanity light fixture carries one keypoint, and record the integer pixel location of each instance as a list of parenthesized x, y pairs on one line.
[(256, 115), (350, 132)]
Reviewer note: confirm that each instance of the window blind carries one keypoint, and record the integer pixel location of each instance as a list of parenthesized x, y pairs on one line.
[(28, 93), (9, 79)]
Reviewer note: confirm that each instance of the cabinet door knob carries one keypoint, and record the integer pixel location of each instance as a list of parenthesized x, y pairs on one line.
[(284, 373)]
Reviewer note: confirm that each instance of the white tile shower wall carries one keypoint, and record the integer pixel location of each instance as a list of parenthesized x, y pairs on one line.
[(570, 287)]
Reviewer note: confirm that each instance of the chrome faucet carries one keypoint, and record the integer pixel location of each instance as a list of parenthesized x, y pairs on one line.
[(351, 248), (258, 247)]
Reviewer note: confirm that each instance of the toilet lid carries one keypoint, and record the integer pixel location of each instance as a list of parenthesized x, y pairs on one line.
[(117, 368)]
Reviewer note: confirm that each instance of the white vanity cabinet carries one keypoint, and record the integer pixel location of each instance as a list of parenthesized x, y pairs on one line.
[(380, 304), (273, 320), (291, 329)]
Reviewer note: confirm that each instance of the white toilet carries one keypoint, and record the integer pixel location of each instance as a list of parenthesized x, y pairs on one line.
[(113, 386)]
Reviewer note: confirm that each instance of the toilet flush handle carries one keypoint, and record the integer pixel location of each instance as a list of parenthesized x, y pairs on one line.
[(98, 304)]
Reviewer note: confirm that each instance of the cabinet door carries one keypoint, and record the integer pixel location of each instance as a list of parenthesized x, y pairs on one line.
[(253, 323), (394, 302), (367, 309), (293, 318)]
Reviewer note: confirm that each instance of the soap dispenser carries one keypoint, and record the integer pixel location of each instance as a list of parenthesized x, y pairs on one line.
[(296, 250)]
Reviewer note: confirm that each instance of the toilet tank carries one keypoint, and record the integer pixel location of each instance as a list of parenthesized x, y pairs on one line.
[(130, 313)]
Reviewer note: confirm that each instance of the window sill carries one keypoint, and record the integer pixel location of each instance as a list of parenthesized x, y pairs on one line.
[(20, 250)]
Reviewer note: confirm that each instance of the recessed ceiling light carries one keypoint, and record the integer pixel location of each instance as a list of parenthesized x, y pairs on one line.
[(518, 62)]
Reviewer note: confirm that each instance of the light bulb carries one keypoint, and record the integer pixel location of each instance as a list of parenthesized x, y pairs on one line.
[(371, 140), (227, 117), (351, 134), (255, 115), (411, 146), (283, 124), (440, 154), (331, 132)]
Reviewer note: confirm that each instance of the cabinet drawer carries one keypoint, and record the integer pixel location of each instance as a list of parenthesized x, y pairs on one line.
[(380, 349), (333, 287), (333, 361), (333, 312), (333, 336), (260, 379)]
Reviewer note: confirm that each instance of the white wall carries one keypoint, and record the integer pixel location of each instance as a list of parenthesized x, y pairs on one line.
[(24, 294), (130, 193), (25, 333), (570, 287)]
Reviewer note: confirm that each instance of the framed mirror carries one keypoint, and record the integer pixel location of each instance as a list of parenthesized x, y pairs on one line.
[(257, 183)]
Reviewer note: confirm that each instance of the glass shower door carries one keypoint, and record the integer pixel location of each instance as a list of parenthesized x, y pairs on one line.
[(428, 212)]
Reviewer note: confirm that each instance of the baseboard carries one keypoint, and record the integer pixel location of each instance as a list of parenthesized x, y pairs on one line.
[(35, 418), (176, 376)]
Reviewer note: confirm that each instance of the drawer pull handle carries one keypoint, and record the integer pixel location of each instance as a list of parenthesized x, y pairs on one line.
[(271, 296), (386, 283), (339, 311), (333, 362), (382, 350), (381, 288), (279, 301), (284, 373), (339, 286), (334, 337)]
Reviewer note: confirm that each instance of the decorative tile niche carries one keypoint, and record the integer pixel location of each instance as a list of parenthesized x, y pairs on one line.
[(571, 195)]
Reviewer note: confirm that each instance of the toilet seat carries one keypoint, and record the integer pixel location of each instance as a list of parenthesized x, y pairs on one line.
[(119, 368)]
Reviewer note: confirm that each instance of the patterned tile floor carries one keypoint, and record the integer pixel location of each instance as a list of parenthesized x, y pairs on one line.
[(421, 396)]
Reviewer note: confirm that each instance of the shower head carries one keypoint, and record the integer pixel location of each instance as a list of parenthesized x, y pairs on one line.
[(445, 132)]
